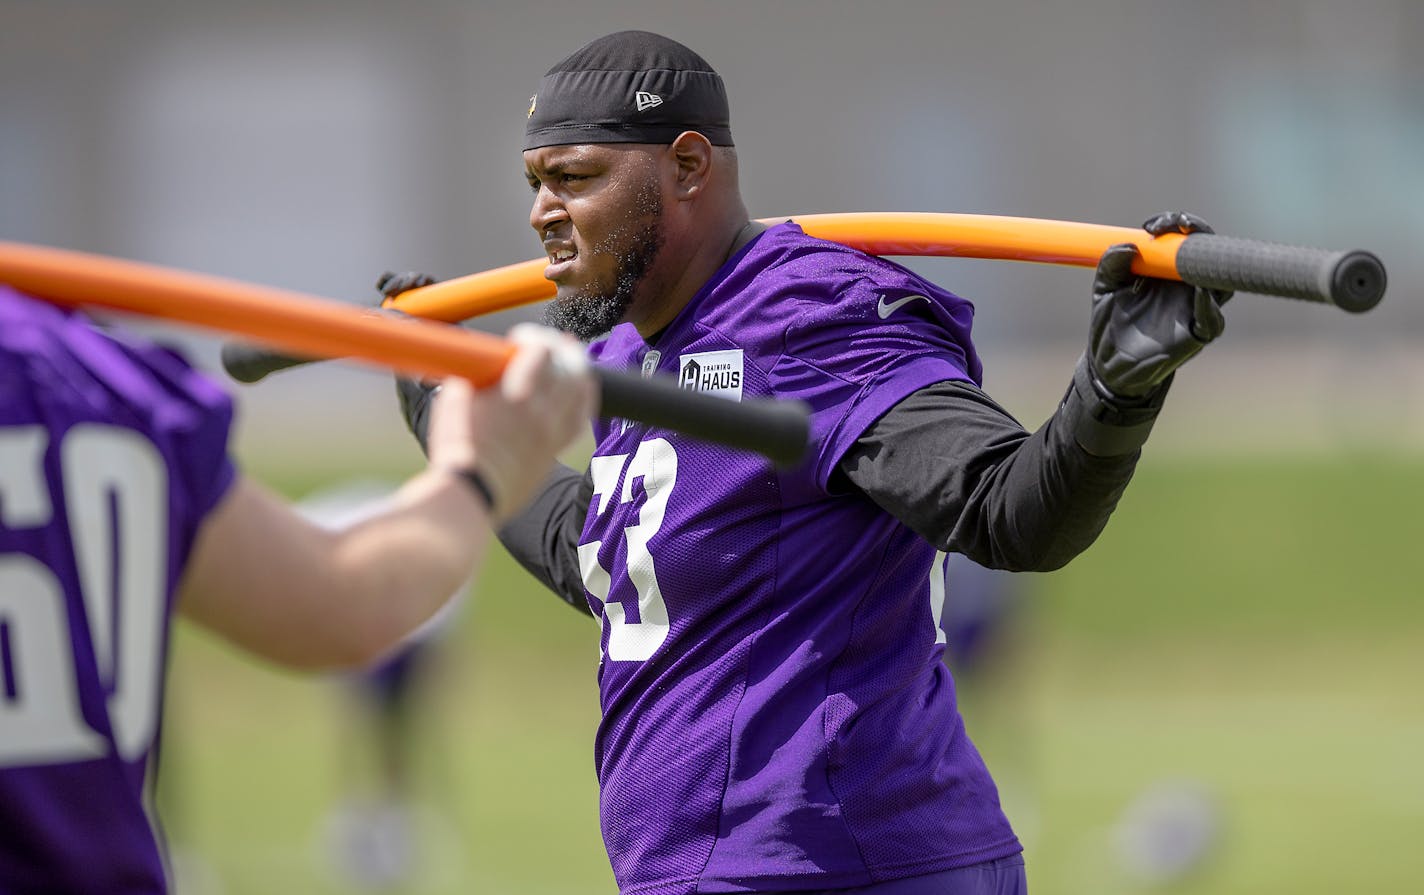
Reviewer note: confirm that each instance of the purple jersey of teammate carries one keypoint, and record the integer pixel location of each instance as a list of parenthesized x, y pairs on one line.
[(775, 712), (111, 454)]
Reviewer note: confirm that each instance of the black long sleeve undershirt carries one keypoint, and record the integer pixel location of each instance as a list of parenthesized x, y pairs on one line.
[(544, 537), (960, 471), (947, 461)]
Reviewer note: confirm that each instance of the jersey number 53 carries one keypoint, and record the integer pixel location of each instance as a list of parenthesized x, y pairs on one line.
[(655, 463)]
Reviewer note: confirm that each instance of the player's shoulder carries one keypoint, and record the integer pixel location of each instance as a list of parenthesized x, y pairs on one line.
[(617, 346), (845, 310), (807, 275), (787, 247), (105, 373), (19, 313)]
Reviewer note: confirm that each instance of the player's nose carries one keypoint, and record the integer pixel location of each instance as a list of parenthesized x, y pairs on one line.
[(546, 211)]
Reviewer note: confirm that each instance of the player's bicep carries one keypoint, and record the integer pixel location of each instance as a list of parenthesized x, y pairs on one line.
[(544, 537), (958, 470), (927, 462)]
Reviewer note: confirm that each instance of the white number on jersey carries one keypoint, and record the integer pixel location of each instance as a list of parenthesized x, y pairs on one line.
[(937, 594), (656, 464), (116, 503)]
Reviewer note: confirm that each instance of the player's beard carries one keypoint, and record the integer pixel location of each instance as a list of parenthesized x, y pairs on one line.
[(595, 309)]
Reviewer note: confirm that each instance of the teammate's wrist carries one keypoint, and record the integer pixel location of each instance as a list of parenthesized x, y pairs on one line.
[(476, 482), (479, 484)]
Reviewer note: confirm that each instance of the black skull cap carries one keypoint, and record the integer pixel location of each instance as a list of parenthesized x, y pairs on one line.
[(629, 87)]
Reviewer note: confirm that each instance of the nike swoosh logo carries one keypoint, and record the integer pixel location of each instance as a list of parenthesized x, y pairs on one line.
[(885, 310)]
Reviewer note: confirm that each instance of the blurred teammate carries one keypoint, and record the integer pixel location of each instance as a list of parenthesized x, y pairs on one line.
[(981, 611), (119, 504), (776, 716), (373, 833)]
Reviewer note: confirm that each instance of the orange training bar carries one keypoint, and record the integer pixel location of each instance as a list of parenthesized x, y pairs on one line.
[(290, 321), (878, 233)]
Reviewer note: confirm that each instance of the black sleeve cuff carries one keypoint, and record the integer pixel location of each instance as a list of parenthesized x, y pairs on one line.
[(1104, 424)]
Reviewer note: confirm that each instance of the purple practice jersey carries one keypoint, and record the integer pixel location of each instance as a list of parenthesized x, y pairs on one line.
[(111, 454), (775, 712)]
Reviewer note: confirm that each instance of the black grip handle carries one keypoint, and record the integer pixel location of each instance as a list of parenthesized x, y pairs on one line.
[(1353, 281), (252, 363), (776, 429)]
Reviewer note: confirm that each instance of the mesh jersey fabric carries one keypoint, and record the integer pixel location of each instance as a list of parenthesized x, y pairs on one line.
[(115, 452), (775, 711)]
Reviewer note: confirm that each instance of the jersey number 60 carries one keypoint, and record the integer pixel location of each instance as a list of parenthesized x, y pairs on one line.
[(115, 492)]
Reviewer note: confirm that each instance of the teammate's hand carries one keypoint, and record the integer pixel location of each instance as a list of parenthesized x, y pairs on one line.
[(510, 433), (1142, 328)]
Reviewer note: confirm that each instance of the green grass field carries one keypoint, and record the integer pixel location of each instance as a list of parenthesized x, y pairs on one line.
[(1250, 628)]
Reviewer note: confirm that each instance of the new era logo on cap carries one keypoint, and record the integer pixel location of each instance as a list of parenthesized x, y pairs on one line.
[(628, 87)]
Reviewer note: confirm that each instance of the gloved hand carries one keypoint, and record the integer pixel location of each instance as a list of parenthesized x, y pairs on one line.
[(414, 395), (391, 284), (1142, 328)]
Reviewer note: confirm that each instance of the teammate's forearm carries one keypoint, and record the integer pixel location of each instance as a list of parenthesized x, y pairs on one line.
[(306, 597), (404, 565)]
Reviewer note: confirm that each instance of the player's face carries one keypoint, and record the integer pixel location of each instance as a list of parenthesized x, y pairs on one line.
[(598, 211)]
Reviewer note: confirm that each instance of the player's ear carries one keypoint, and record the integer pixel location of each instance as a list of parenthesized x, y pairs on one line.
[(691, 155)]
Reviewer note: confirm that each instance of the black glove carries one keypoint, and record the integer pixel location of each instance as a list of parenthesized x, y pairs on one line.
[(391, 284), (414, 395), (1144, 328)]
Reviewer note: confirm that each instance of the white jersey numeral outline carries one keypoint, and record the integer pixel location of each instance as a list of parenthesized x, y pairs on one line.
[(656, 464), (116, 500), (937, 593)]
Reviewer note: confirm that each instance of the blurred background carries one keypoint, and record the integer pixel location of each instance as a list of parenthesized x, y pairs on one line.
[(1221, 696)]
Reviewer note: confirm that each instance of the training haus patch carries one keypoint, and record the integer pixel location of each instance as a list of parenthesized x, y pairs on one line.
[(715, 372)]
